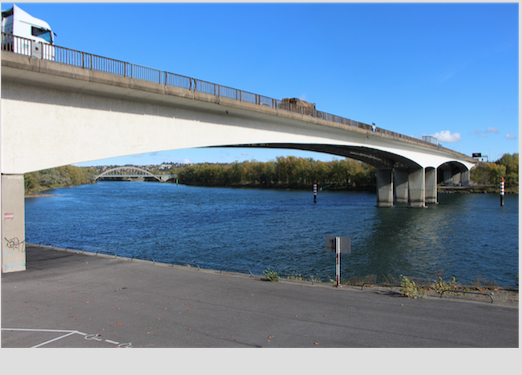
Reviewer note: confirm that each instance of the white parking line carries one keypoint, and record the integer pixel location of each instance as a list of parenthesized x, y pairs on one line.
[(56, 339), (93, 336)]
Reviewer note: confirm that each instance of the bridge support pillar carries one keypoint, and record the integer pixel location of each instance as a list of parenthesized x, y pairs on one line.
[(416, 185), (448, 177), (400, 184), (384, 187), (464, 178), (13, 223), (431, 186)]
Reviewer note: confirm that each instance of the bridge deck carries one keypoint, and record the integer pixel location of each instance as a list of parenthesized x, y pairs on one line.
[(147, 80)]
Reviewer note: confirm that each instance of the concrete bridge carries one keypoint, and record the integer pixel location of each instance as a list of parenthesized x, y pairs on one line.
[(81, 107), (133, 172)]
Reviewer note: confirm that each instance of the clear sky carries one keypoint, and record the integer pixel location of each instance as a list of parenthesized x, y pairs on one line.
[(444, 69)]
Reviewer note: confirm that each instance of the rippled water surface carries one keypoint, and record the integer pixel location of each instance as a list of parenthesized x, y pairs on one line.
[(466, 235)]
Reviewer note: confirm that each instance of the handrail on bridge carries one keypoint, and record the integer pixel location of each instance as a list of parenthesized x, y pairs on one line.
[(84, 60)]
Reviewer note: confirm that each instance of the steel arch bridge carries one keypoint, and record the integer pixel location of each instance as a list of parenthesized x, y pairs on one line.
[(132, 172)]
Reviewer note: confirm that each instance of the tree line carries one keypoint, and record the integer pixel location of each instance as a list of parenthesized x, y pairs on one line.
[(294, 172), (288, 172), (65, 176), (491, 173), (284, 172)]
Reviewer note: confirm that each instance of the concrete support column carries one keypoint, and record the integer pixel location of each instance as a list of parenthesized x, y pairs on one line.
[(400, 184), (448, 177), (464, 178), (384, 187), (431, 186), (416, 186), (13, 223)]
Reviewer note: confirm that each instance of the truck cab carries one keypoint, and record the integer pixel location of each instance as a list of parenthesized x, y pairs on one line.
[(27, 35)]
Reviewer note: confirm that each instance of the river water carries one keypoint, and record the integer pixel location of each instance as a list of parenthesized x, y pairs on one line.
[(466, 235)]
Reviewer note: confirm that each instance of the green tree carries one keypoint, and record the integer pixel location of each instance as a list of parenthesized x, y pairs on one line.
[(511, 163), (495, 173)]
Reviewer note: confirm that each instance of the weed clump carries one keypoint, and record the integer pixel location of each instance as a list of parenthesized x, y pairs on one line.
[(271, 275), (408, 287)]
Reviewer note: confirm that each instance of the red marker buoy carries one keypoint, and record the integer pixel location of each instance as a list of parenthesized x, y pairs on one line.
[(315, 191)]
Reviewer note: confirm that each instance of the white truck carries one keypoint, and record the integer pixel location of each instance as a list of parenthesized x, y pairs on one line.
[(27, 35)]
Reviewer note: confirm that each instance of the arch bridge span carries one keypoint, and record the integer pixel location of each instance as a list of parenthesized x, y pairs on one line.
[(132, 172)]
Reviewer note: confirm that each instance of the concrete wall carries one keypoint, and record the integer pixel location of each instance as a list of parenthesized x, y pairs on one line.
[(13, 223)]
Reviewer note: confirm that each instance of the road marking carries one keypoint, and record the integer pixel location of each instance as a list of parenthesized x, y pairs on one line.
[(92, 336), (56, 339), (41, 330)]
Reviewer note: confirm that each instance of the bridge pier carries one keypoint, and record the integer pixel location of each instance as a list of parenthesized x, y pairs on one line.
[(454, 176), (13, 222), (431, 186), (400, 180), (416, 187), (384, 187)]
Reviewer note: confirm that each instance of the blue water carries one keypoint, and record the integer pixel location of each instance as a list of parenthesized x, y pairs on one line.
[(467, 235)]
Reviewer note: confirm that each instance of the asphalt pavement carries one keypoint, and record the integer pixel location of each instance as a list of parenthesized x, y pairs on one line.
[(79, 300)]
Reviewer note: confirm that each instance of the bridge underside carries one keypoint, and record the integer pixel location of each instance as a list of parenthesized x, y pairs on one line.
[(399, 179)]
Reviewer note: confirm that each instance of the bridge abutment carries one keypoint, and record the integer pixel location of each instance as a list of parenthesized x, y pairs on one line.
[(13, 223)]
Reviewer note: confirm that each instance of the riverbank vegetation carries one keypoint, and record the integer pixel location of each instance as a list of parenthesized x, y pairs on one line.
[(490, 174), (347, 174), (65, 176), (284, 172)]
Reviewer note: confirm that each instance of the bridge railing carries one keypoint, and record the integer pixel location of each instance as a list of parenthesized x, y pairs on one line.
[(90, 61)]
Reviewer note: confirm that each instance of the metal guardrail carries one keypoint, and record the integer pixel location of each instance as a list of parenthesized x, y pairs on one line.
[(72, 248), (19, 45), (490, 295), (297, 277), (106, 253), (381, 284), (237, 270), (143, 258), (190, 264)]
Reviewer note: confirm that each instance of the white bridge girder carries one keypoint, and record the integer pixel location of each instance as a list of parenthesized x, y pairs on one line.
[(54, 115), (51, 127)]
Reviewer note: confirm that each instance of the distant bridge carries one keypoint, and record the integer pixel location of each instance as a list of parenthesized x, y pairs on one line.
[(134, 172)]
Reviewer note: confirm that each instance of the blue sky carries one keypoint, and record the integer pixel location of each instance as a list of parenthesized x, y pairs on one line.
[(444, 69)]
